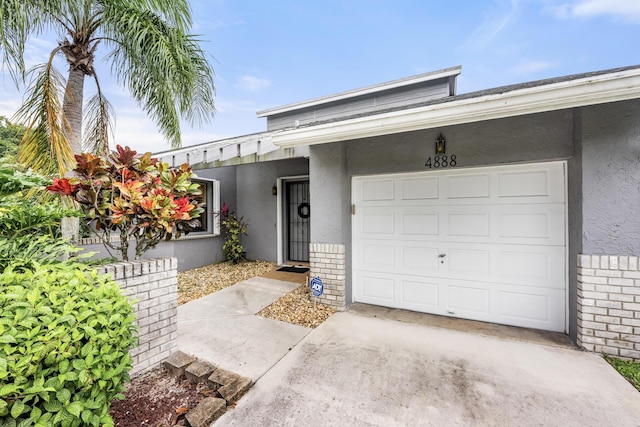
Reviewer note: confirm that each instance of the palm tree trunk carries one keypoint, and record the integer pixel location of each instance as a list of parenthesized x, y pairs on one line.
[(72, 107)]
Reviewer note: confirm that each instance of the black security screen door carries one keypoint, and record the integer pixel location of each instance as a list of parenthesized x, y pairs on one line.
[(298, 217)]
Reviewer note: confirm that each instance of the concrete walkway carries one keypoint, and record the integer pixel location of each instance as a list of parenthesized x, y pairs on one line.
[(363, 369), (222, 328)]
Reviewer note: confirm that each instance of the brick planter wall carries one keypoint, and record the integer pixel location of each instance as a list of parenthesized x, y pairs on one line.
[(609, 305), (327, 261), (153, 284)]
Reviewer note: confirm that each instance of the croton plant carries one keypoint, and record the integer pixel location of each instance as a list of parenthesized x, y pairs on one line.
[(134, 196)]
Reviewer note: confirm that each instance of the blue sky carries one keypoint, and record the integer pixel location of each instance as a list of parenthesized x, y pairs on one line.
[(272, 53)]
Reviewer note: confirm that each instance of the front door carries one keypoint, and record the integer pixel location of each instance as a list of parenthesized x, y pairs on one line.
[(298, 220)]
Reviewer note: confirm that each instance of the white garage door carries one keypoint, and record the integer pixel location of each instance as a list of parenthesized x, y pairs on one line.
[(484, 243)]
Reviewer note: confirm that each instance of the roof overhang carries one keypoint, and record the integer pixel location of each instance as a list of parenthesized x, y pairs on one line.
[(434, 75), (244, 149), (600, 89)]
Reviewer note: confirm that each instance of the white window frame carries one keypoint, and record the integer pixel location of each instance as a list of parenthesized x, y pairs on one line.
[(212, 187)]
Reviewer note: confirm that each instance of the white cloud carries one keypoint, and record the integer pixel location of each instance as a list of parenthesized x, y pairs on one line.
[(252, 83), (530, 67), (494, 23), (620, 10)]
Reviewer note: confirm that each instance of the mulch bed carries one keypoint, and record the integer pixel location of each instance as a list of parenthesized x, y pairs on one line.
[(156, 399)]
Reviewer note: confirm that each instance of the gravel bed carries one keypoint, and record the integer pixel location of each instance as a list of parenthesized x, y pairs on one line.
[(297, 308), (294, 307), (199, 282)]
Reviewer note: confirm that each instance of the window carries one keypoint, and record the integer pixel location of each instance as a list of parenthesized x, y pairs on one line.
[(209, 223)]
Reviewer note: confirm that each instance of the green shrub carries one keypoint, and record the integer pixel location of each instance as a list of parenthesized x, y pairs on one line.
[(65, 333)]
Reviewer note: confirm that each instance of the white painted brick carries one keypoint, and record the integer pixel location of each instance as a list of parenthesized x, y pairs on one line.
[(584, 261), (594, 325), (631, 306), (631, 274), (585, 316), (611, 320), (613, 263), (593, 340), (607, 334), (633, 263), (594, 295), (613, 351), (624, 262), (631, 322), (608, 273), (620, 344), (595, 280), (594, 310), (620, 282), (633, 354), (595, 261), (621, 297), (621, 313), (609, 304), (621, 329)]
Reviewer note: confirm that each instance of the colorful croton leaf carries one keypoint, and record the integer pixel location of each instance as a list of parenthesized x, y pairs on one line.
[(134, 196)]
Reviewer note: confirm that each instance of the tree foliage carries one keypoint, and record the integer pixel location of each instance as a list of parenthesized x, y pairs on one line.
[(10, 136), (134, 196), (146, 43)]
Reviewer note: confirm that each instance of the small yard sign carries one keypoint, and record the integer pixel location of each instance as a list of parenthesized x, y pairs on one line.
[(317, 288)]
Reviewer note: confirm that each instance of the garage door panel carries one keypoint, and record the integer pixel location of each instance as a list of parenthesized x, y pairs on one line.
[(420, 224), (419, 260), (378, 189), (376, 288), (468, 224), (466, 186), (531, 224), (375, 223), (420, 295), (537, 184), (531, 266), (462, 300), (485, 243), (468, 262), (425, 188), (378, 257), (531, 307)]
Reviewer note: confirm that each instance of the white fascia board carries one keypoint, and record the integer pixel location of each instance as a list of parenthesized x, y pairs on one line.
[(435, 75), (619, 86)]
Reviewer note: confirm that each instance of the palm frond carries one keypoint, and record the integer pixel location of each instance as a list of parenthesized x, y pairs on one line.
[(44, 146), (177, 13), (19, 19), (98, 124), (164, 69)]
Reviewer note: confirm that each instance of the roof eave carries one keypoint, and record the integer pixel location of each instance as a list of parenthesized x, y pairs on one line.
[(617, 86), (435, 75)]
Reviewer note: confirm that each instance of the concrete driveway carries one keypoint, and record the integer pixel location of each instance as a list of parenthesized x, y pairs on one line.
[(375, 366), (361, 370)]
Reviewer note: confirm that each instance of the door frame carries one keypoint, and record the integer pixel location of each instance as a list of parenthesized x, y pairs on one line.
[(281, 217)]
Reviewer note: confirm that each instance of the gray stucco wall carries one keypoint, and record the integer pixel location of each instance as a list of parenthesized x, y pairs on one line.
[(535, 138), (330, 189), (256, 203), (611, 179)]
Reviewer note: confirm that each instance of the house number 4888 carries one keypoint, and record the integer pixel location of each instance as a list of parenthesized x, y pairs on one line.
[(442, 161)]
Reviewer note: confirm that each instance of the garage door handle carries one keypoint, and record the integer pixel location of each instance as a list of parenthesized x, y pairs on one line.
[(442, 255)]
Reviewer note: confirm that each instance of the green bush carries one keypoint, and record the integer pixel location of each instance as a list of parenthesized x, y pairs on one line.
[(65, 333)]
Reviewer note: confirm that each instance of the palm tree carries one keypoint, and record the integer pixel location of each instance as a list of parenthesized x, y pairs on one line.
[(150, 52)]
